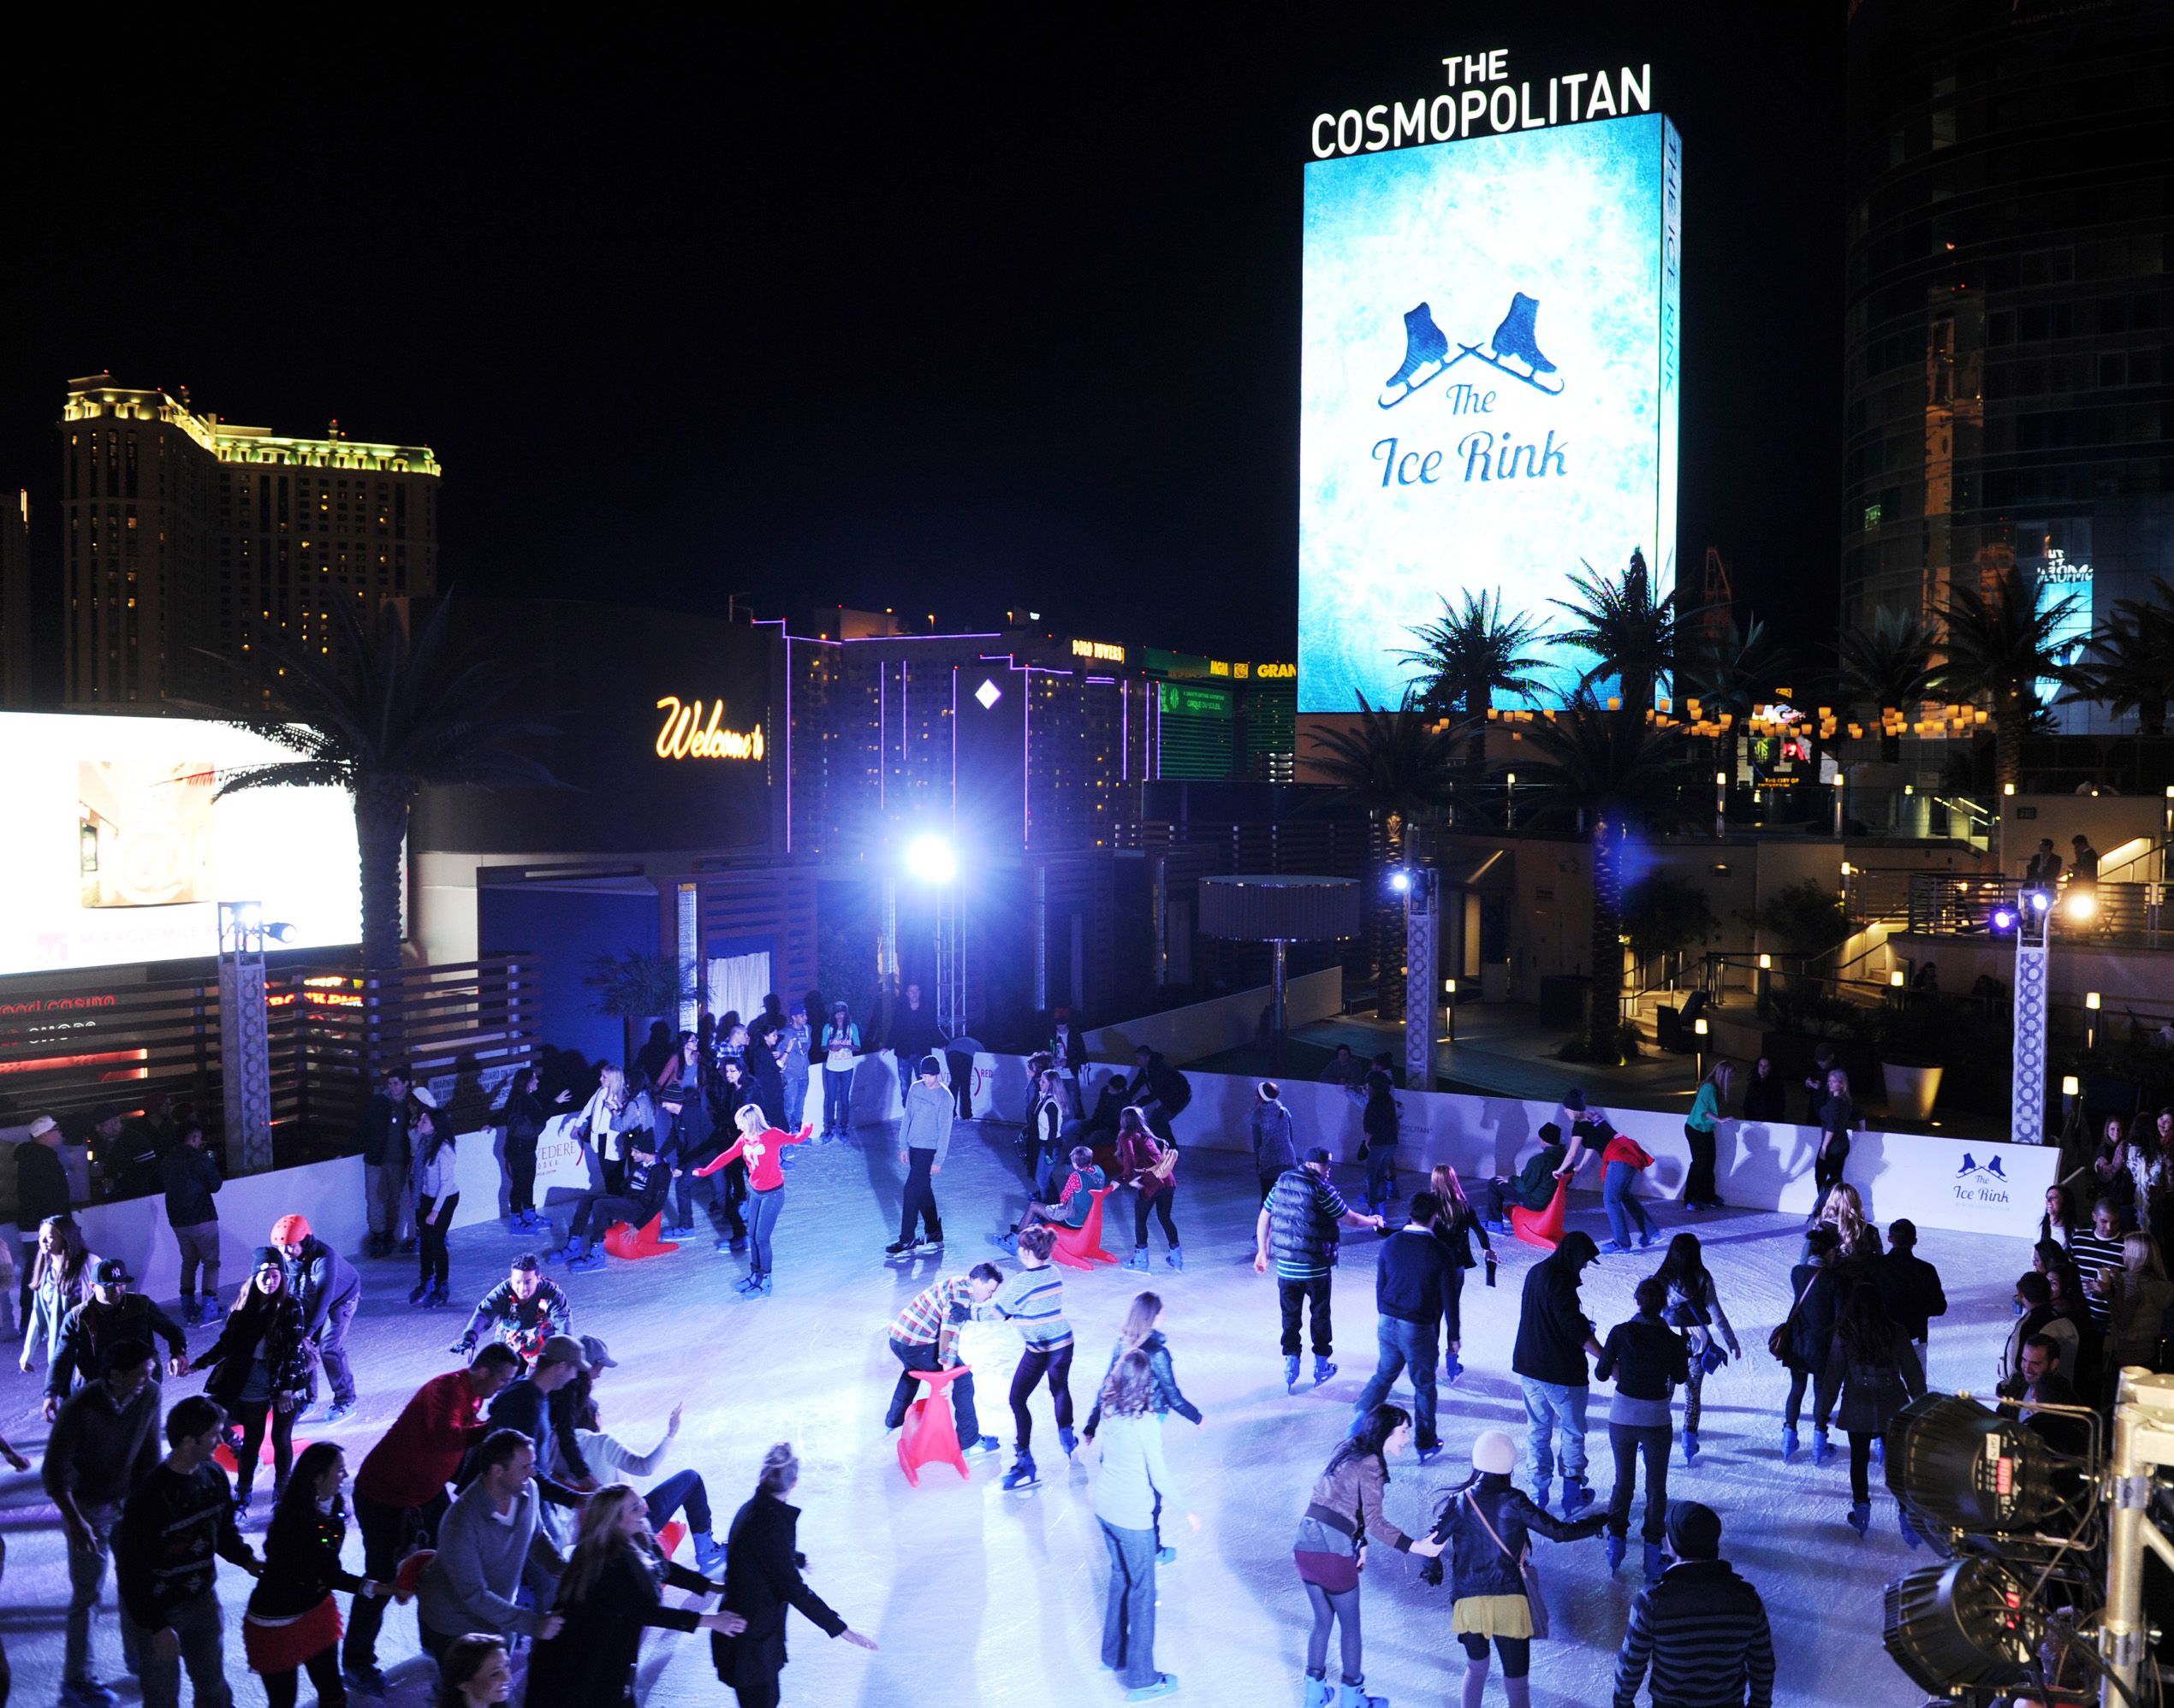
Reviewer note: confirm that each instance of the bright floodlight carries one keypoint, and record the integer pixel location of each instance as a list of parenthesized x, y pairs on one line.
[(2041, 901), (1400, 882), (930, 858), (2004, 919), (2082, 906)]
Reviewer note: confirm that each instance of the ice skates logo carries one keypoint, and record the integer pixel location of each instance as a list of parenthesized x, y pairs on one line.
[(1974, 1170), (1426, 358)]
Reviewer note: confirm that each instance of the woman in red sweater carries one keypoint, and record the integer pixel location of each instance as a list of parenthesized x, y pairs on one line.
[(1150, 1167), (762, 1148)]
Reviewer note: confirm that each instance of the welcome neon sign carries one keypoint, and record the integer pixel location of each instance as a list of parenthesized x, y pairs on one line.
[(684, 736)]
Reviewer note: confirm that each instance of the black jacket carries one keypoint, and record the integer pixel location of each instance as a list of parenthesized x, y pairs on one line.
[(1168, 1396), (192, 1175), (1909, 1291), (168, 1531), (1476, 1566), (1766, 1099), (914, 1034), (41, 1185), (524, 1117), (1413, 1278), (1645, 1358), (591, 1663), (381, 1121), (1551, 1331), (524, 1405), (1159, 1080), (322, 1280), (273, 1324), (302, 1560), (762, 1580), (1812, 1327), (87, 1329)]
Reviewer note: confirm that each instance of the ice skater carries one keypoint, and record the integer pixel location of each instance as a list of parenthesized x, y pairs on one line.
[(1695, 1308), (840, 1053), (1133, 1486), (1343, 1515), (1143, 1332), (925, 1336), (762, 1148), (1069, 1208), (292, 1625), (1379, 1150), (1150, 1166), (1555, 1339), (608, 1457), (521, 1313), (1623, 1158), (330, 1293), (1034, 1300), (1456, 1224), (1412, 1285), (434, 1183), (262, 1372), (1875, 1371), (1297, 1230), (924, 1140), (1645, 1359)]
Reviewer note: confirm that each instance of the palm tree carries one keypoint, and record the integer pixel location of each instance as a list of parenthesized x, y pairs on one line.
[(1888, 666), (1471, 654), (2133, 669), (1617, 773), (1733, 673), (2000, 643), (396, 715), (1632, 633)]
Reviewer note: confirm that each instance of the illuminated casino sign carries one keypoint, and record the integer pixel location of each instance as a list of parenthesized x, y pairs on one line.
[(684, 736)]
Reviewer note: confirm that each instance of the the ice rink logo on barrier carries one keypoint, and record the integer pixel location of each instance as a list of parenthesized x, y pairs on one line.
[(1982, 1183)]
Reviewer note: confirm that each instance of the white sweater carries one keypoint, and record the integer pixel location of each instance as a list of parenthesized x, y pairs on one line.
[(1132, 1473)]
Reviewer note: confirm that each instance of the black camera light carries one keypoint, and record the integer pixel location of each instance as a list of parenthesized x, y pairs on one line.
[(1959, 1466), (1970, 1623)]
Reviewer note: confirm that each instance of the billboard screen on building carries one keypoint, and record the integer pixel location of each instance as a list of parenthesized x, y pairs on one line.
[(119, 846), (1487, 378)]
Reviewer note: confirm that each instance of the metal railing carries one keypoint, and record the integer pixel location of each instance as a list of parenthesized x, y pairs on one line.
[(1944, 905)]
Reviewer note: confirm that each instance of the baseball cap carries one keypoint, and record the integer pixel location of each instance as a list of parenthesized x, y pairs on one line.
[(424, 1095), (42, 1125), (563, 1349), (598, 1354), (110, 1269), (1318, 1153), (288, 1230)]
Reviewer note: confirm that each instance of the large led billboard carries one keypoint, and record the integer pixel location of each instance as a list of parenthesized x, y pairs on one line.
[(119, 846), (1489, 378)]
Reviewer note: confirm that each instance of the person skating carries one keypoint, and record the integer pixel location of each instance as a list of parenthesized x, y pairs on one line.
[(382, 1133), (400, 1490), (1343, 1515), (1487, 1523), (261, 1372), (762, 1148), (1069, 1205), (614, 1111), (330, 1291), (1909, 1287), (525, 1403), (59, 1280), (292, 1624), (1275, 1143), (1143, 1333), (1701, 1630), (1837, 1116), (1133, 1488), (1044, 1136), (924, 1335), (1034, 1302), (1381, 1125), (521, 1119), (1816, 1295), (521, 1312), (436, 1187), (1535, 1183), (691, 1140), (1695, 1308), (475, 1672), (1623, 1158), (490, 1549), (1296, 1229), (1555, 1339), (645, 1176), (924, 1140), (684, 1490), (179, 1518), (191, 1176), (1413, 1282), (111, 1312), (1457, 1224), (103, 1444), (1876, 1372), (1646, 1359), (1158, 1091), (1150, 1167), (1702, 1131), (762, 1583), (611, 1592)]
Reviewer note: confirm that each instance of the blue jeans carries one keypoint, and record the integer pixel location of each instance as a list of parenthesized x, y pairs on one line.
[(1381, 1176), (682, 1491), (1128, 1614), (763, 1211), (796, 1102), (201, 1626), (1551, 1406), (1405, 1346), (837, 1100), (1623, 1207)]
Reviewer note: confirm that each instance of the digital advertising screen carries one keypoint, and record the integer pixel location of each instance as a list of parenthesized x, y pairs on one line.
[(119, 847), (1488, 385)]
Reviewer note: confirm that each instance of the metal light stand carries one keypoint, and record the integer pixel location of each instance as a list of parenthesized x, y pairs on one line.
[(1420, 944), (2027, 1103), (245, 1044), (2143, 1442), (951, 961)]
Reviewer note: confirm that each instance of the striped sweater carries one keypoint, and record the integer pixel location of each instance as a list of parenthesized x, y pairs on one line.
[(1034, 1300), (1703, 1632)]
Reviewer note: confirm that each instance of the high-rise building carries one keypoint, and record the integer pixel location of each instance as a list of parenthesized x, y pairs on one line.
[(17, 653), (180, 528), (2011, 217)]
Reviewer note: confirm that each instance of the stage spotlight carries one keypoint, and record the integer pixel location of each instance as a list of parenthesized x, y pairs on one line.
[(1961, 1468), (2039, 901), (2004, 919), (931, 859), (1970, 1623), (2082, 905), (279, 931), (1400, 882)]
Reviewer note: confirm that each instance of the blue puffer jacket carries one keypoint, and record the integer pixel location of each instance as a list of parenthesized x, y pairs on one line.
[(1476, 1566)]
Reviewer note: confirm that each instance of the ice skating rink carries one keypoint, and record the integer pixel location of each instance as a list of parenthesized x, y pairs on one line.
[(976, 1596)]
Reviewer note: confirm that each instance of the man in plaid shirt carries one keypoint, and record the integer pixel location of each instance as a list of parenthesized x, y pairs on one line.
[(922, 1338)]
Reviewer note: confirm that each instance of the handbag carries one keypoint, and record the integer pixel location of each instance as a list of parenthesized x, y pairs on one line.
[(1526, 1571), (1164, 1168), (1778, 1340)]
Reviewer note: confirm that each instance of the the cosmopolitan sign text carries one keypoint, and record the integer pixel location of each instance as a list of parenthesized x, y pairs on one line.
[(1488, 365), (684, 736), (1481, 97)]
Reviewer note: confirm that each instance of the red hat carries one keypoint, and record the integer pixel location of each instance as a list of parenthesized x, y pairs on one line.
[(290, 1229)]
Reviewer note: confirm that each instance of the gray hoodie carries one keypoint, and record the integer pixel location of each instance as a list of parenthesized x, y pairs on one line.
[(482, 1559), (929, 1110)]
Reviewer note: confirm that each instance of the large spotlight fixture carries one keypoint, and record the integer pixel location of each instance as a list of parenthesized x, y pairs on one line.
[(1960, 1468), (1972, 1623), (932, 859)]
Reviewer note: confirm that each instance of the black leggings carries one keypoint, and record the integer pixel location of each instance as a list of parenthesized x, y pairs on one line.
[(1517, 1652), (252, 1415), (429, 1238), (1340, 1608), (520, 1171), (281, 1688), (1161, 1203), (1033, 1362), (1860, 1442)]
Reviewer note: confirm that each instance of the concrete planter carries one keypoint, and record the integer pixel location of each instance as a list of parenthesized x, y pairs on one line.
[(1910, 1090)]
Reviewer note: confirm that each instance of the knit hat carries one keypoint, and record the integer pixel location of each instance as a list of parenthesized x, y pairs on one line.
[(1550, 1134), (1270, 1091), (1495, 1451), (262, 1255), (1694, 1531), (1575, 1102), (929, 1065), (290, 1231)]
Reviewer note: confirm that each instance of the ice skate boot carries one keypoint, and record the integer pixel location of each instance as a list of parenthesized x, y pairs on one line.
[(1790, 1446), (1291, 1375), (897, 1247), (190, 1312), (1175, 1258), (1138, 1259), (1314, 1693), (708, 1555), (1008, 1244), (1022, 1476), (1654, 1565), (419, 1294), (751, 1283), (986, 1443), (1822, 1449), (1690, 1447), (1618, 1547), (1542, 1491), (1426, 353), (1323, 1369), (1577, 1497), (1860, 1519), (1166, 1684), (1069, 1441), (1350, 1695), (1514, 341), (589, 1257), (1909, 1531)]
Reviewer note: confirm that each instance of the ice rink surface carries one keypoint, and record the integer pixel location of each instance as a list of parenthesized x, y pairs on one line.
[(977, 1596)]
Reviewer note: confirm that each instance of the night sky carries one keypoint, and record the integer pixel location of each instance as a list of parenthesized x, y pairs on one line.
[(948, 318)]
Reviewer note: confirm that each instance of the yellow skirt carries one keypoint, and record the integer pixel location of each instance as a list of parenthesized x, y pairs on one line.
[(1491, 1616)]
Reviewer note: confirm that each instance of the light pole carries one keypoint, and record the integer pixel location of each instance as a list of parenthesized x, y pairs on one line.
[(2034, 923), (1511, 778), (1720, 805), (245, 1042), (1449, 1006)]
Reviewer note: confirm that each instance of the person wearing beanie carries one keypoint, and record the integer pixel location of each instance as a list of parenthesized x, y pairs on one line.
[(1701, 1630), (1275, 1141), (261, 1372), (1487, 1522), (1297, 1230), (1545, 1169), (924, 1140), (1555, 1339), (330, 1291)]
